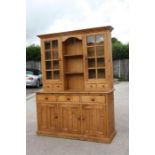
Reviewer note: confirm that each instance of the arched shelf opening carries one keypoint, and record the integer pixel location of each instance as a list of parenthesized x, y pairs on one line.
[(72, 46)]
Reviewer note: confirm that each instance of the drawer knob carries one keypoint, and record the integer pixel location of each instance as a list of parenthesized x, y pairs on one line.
[(46, 98), (56, 117), (83, 118), (57, 86), (68, 99), (79, 118), (92, 99), (91, 86)]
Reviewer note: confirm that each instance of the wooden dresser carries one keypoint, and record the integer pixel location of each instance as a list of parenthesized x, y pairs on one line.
[(77, 99)]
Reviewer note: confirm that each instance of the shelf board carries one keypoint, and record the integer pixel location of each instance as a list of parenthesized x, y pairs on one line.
[(99, 56), (95, 57), (71, 73), (51, 59), (96, 68), (55, 59), (48, 60), (92, 68), (100, 45), (91, 57), (100, 67), (55, 69), (73, 55)]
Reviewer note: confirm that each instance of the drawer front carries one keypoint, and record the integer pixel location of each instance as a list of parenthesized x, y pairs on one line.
[(68, 98), (102, 86), (93, 99), (90, 86), (57, 87), (48, 87), (46, 97)]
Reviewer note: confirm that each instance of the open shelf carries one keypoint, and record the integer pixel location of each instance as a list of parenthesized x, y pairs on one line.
[(74, 81)]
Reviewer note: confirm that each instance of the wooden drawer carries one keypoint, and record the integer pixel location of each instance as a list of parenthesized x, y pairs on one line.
[(102, 86), (57, 87), (93, 99), (46, 97), (68, 98), (90, 86), (48, 87)]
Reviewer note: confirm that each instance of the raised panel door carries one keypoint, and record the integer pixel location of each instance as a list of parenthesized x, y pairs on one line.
[(52, 116), (42, 117), (93, 119), (70, 120)]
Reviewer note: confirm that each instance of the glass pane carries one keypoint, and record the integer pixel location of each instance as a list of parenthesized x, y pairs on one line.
[(91, 74), (101, 73), (48, 75), (56, 74), (90, 40), (99, 39), (100, 50), (91, 63), (55, 44), (48, 64), (55, 64), (100, 62), (55, 54), (47, 45), (47, 55), (91, 52)]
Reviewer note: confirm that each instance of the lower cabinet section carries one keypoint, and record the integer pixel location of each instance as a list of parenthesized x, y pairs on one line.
[(79, 119)]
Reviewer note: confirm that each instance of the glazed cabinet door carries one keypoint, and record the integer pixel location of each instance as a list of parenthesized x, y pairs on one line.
[(52, 64), (95, 61), (70, 120), (93, 119)]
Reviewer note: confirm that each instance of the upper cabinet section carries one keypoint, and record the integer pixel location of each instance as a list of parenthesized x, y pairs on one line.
[(77, 60)]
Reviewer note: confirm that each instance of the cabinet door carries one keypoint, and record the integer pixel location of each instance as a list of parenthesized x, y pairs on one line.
[(42, 117), (52, 67), (93, 119), (52, 116), (95, 56), (70, 120)]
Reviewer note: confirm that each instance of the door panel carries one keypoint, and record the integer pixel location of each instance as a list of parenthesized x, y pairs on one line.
[(52, 116), (93, 120), (70, 120), (42, 117)]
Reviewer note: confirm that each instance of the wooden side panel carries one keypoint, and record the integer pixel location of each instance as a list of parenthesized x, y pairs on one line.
[(93, 120), (110, 114), (109, 66)]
